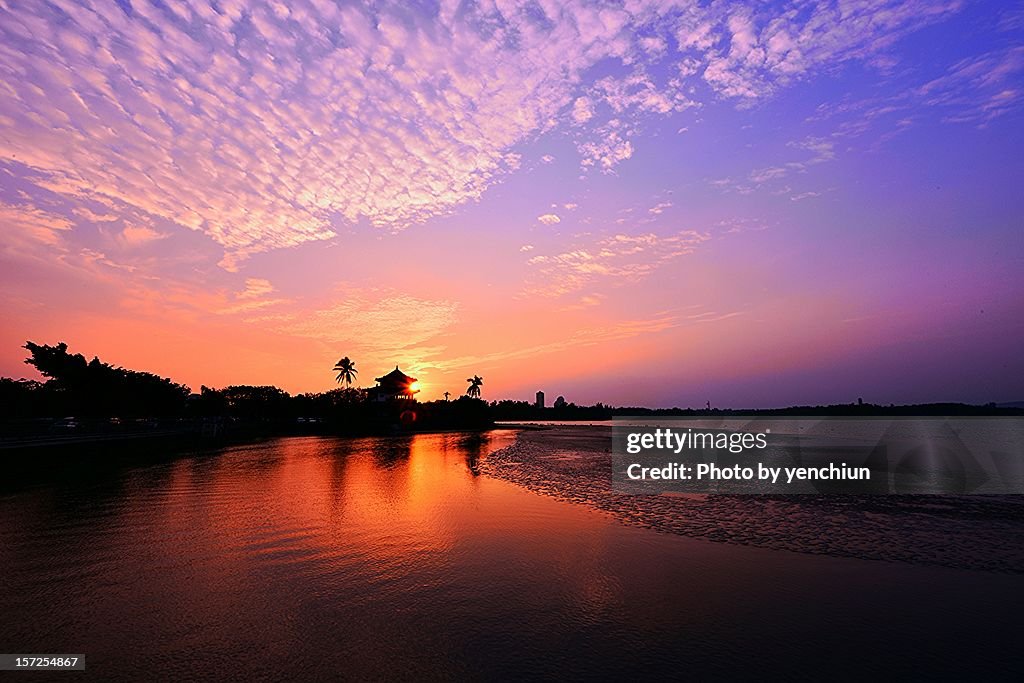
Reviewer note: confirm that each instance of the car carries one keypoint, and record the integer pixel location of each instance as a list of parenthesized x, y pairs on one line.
[(66, 424)]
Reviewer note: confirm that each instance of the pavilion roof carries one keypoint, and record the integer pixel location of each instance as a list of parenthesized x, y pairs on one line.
[(396, 376)]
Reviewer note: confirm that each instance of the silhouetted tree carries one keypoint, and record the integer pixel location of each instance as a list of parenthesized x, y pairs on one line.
[(21, 397), (346, 369), (211, 403), (96, 388), (348, 396), (256, 402), (474, 386)]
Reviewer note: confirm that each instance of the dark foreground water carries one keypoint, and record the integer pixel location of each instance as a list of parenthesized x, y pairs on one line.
[(311, 558)]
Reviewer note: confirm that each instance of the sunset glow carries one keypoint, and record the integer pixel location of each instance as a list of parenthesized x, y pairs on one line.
[(641, 203)]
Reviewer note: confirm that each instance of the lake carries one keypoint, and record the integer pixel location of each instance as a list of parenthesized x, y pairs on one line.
[(376, 558)]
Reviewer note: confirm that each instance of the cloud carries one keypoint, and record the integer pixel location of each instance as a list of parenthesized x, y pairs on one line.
[(975, 90), (978, 89), (27, 224), (258, 127), (582, 110), (256, 288), (90, 257), (44, 240), (822, 150), (91, 216), (619, 258), (735, 226), (763, 175), (751, 51), (549, 219), (610, 146), (256, 295), (265, 125), (261, 127), (628, 99), (711, 317), (639, 93), (659, 208), (382, 325), (580, 338), (136, 235)]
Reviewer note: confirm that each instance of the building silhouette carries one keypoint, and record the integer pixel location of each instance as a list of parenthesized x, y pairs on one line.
[(394, 386), (540, 399)]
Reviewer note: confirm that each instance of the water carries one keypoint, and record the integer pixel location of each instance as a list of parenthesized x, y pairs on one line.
[(393, 558)]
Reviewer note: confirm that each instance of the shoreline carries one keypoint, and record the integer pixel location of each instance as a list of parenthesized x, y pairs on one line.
[(573, 463), (192, 438)]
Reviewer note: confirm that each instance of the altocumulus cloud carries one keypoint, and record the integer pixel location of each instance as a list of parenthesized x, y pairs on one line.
[(262, 124), (618, 258), (394, 323)]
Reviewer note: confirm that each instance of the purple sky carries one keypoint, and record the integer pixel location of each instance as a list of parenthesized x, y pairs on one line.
[(657, 203)]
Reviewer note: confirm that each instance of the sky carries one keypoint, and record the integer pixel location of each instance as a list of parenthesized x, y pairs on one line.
[(659, 203)]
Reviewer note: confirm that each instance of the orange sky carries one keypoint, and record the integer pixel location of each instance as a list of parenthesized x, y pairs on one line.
[(646, 203)]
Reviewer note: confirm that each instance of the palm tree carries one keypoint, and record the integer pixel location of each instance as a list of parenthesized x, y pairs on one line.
[(346, 369), (447, 394), (474, 386)]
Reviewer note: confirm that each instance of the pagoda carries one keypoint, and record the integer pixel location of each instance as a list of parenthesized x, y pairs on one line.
[(394, 386)]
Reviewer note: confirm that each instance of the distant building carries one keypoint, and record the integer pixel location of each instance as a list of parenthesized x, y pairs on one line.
[(394, 386), (540, 399)]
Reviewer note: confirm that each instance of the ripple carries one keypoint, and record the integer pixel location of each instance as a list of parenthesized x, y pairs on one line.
[(979, 532), (377, 559)]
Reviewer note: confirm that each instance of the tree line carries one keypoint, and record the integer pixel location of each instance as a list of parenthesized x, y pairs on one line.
[(75, 386)]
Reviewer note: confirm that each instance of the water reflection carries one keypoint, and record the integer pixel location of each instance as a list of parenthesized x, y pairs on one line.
[(393, 557), (474, 446)]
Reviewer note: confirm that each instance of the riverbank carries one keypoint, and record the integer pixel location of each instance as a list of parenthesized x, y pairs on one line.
[(71, 436), (573, 463)]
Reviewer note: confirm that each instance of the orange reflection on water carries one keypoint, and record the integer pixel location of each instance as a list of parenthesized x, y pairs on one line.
[(354, 520), (392, 558)]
